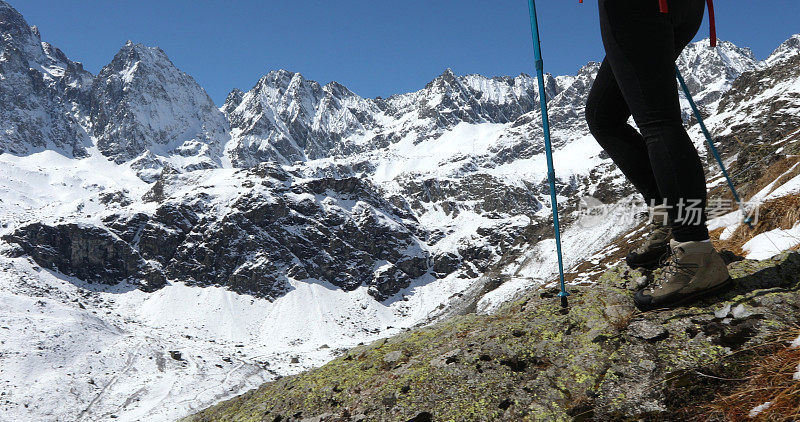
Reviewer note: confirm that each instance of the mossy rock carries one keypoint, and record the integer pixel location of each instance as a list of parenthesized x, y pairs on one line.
[(532, 360)]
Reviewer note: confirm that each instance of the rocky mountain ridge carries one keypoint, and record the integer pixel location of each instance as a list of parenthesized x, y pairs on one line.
[(456, 162), (141, 103), (140, 109)]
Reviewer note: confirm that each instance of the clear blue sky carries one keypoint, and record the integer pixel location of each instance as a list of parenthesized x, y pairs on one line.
[(375, 47)]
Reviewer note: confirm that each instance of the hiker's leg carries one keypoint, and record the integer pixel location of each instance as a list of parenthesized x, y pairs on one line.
[(607, 116), (641, 47)]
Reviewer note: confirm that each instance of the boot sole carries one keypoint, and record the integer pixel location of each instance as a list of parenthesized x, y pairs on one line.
[(704, 294)]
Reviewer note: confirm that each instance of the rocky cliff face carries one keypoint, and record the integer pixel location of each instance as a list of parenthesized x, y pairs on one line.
[(762, 105), (788, 49), (86, 252), (251, 234)]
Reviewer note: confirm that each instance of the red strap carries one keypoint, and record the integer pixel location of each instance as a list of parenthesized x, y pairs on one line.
[(712, 23)]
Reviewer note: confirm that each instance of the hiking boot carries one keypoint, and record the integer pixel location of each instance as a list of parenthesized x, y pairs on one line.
[(694, 271), (656, 247)]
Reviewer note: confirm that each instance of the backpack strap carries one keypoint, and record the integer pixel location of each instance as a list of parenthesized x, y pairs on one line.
[(712, 23)]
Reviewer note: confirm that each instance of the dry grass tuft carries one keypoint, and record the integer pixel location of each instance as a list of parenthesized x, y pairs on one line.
[(778, 213), (772, 381), (725, 245)]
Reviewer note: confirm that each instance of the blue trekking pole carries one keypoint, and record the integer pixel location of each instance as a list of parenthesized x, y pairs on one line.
[(747, 220), (551, 174)]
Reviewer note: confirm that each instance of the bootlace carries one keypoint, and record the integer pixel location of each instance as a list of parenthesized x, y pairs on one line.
[(651, 228), (672, 266)]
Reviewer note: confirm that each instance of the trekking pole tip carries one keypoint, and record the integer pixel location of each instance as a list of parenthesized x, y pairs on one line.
[(564, 302)]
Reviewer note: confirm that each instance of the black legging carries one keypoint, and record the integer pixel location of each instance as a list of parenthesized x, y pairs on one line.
[(638, 77)]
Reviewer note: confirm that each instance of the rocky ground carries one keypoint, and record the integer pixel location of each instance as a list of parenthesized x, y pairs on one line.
[(600, 359)]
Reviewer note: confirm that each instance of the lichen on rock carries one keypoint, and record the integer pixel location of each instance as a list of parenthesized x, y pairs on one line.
[(600, 359)]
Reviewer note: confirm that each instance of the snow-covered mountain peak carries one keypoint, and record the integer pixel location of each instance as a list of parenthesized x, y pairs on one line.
[(37, 86), (450, 99), (589, 69), (20, 38), (280, 80), (131, 47), (446, 78), (709, 71), (56, 54), (788, 49), (737, 59), (15, 30), (288, 89), (288, 118), (235, 96), (338, 90), (145, 110), (133, 57)]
